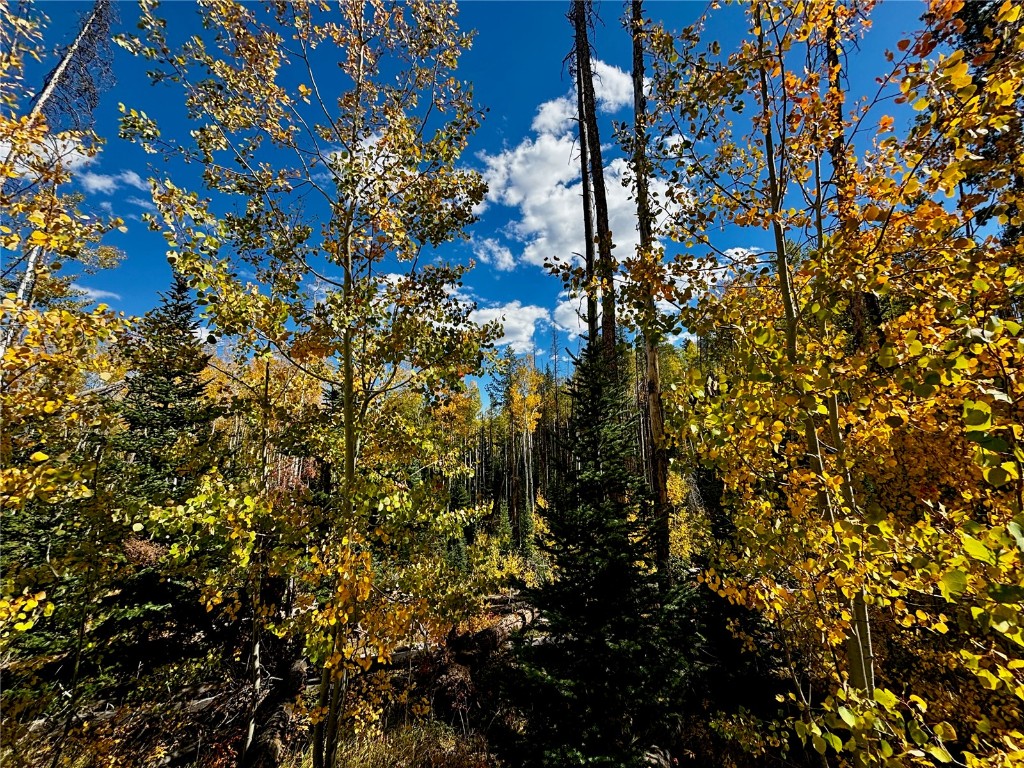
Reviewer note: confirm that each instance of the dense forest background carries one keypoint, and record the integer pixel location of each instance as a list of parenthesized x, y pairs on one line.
[(290, 534)]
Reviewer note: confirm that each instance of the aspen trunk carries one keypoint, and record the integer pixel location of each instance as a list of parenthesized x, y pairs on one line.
[(93, 25), (325, 732), (653, 400), (858, 642)]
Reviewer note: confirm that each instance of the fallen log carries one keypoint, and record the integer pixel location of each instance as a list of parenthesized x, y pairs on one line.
[(464, 647), (274, 719)]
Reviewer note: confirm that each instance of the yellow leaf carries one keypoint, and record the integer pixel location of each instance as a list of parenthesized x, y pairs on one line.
[(1009, 12)]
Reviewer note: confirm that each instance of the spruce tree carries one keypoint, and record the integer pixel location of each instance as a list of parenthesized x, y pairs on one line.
[(167, 413), (600, 686)]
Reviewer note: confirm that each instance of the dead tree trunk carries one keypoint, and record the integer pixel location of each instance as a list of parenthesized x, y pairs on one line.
[(67, 84), (580, 15), (647, 256)]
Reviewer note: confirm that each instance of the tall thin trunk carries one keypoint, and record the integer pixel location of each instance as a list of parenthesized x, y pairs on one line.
[(255, 649), (645, 225), (588, 199), (325, 731), (257, 684), (92, 28), (581, 13), (69, 719), (858, 644)]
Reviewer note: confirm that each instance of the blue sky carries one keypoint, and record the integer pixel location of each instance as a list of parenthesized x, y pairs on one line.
[(525, 149)]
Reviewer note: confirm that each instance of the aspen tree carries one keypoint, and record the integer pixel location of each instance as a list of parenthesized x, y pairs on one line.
[(348, 179)]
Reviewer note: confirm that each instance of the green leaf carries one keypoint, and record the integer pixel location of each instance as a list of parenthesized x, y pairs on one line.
[(1007, 594), (819, 744), (997, 476), (885, 697), (848, 717), (924, 390), (761, 335), (977, 550), (977, 414), (887, 356), (953, 583), (138, 527), (989, 442), (939, 753), (1017, 532)]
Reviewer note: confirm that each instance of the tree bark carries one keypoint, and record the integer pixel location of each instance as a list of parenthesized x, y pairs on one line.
[(274, 718), (95, 23), (581, 12), (859, 648), (588, 200), (651, 333), (93, 27)]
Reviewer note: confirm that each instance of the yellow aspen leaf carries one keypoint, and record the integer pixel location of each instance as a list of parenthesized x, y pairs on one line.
[(1009, 12), (885, 697)]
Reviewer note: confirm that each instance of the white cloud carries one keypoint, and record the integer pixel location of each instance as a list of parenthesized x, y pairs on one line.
[(94, 294), (490, 251), (570, 315), (520, 323), (613, 87), (540, 177), (556, 116), (146, 205), (202, 333), (527, 170), (132, 179), (68, 152), (106, 184), (740, 253), (680, 339), (55, 150), (98, 183)]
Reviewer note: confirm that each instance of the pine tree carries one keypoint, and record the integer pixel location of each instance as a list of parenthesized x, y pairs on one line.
[(167, 414)]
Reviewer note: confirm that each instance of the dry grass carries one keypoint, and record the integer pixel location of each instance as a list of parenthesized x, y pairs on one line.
[(427, 744)]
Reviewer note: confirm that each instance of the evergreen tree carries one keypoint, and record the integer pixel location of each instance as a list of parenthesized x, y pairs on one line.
[(601, 686), (167, 414), (503, 528), (458, 552)]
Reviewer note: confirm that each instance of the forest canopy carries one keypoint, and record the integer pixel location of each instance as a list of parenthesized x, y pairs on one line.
[(763, 507)]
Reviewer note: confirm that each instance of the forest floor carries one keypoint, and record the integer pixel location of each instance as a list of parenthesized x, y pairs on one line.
[(444, 695)]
